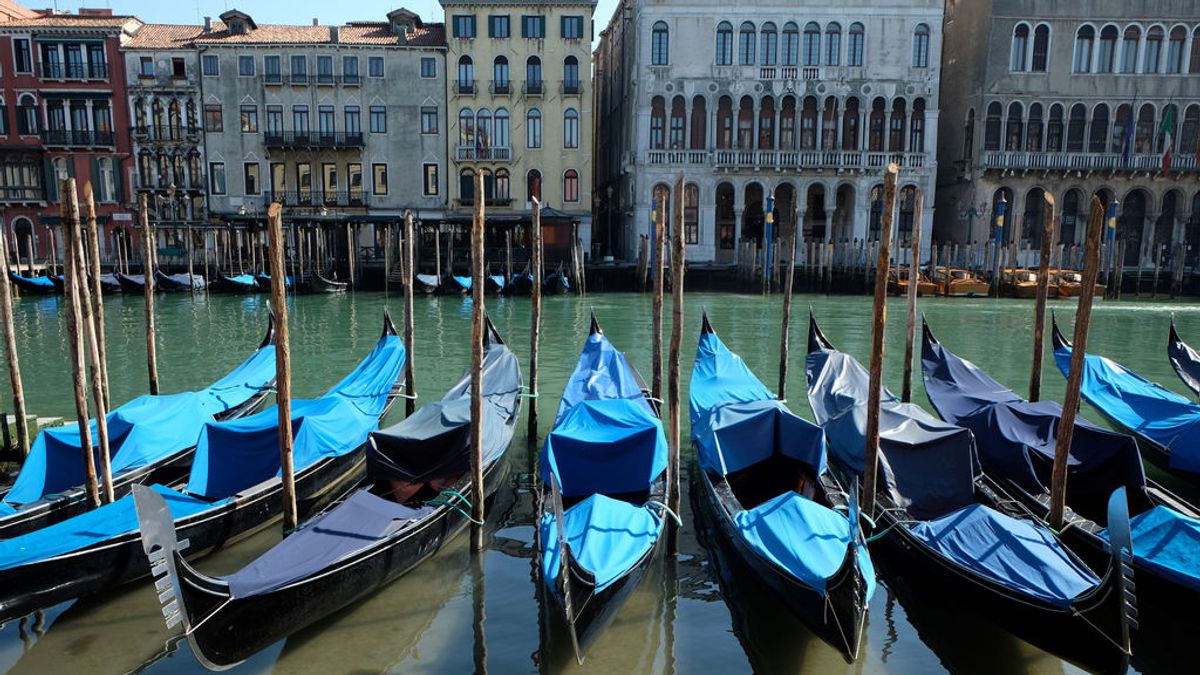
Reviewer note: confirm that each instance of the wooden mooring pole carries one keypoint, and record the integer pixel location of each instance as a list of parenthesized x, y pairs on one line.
[(535, 327), (93, 234), (477, 493), (75, 331), (673, 394), (1083, 317), (656, 257), (74, 252), (914, 284), (283, 365), (789, 275), (148, 287), (10, 350), (1043, 292), (878, 326), (406, 269)]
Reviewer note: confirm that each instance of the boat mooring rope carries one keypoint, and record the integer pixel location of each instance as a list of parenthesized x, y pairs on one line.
[(664, 507), (451, 502)]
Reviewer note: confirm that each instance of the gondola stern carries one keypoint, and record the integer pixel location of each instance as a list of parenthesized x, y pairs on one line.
[(595, 329), (491, 336), (705, 327), (1059, 341), (269, 339), (162, 549), (817, 341), (389, 328), (1120, 576)]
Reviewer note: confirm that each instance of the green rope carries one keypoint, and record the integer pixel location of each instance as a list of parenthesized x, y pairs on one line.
[(880, 535), (453, 505)]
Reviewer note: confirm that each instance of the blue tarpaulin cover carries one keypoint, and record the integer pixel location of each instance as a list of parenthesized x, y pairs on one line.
[(1017, 439), (1168, 542), (498, 280), (244, 280), (140, 432), (1013, 553), (463, 282), (719, 377), (354, 525), (42, 282), (607, 536), (1164, 417), (105, 522)]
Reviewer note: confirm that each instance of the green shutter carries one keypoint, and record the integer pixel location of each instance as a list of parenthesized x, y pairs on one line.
[(51, 181), (118, 181), (95, 178), (562, 26)]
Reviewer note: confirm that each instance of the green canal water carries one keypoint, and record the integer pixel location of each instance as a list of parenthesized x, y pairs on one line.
[(453, 614)]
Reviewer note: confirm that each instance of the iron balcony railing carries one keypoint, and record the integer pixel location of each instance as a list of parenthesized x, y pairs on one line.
[(464, 87), (1087, 161), (319, 198), (471, 153), (313, 139), (22, 193), (533, 87), (75, 71), (785, 160), (571, 88), (64, 138), (500, 87), (166, 133)]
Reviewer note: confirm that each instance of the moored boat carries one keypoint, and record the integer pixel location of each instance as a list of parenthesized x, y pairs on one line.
[(959, 283), (898, 283), (179, 282), (1184, 359), (1023, 283), (521, 284), (427, 283), (1069, 284), (556, 283), (240, 283), (34, 285), (494, 284), (459, 285), (109, 283), (319, 284), (264, 281), (131, 283)]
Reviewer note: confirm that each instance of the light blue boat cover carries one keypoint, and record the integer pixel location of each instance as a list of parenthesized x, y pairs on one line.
[(86, 529), (1168, 542), (498, 279), (1164, 417), (246, 280), (1013, 553), (140, 432), (463, 282), (607, 536), (33, 281), (264, 280), (232, 456)]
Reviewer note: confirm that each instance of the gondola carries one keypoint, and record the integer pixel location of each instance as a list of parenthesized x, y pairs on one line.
[(131, 283), (935, 511), (263, 280), (179, 282), (109, 283), (764, 481), (59, 281), (1016, 444), (1184, 359), (494, 284), (34, 285), (603, 482), (556, 283), (319, 284), (459, 285), (151, 439), (1166, 425), (233, 489), (521, 284), (427, 283), (414, 498), (241, 283)]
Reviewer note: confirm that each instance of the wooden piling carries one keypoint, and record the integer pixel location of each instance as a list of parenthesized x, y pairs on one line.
[(191, 275), (283, 364), (387, 256), (1083, 316), (535, 328), (406, 269), (477, 275), (914, 278), (74, 251), (508, 267), (1043, 292), (1157, 267), (97, 296), (878, 321), (75, 335), (437, 251), (786, 320), (350, 251), (656, 320), (677, 270), (10, 350), (148, 288)]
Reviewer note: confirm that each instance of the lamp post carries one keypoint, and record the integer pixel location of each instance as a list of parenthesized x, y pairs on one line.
[(767, 238)]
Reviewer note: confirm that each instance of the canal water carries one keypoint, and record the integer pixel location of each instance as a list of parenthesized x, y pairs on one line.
[(700, 613)]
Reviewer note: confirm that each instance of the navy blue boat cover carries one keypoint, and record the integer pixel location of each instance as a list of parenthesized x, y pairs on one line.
[(140, 432), (1150, 410), (1016, 438), (1184, 359)]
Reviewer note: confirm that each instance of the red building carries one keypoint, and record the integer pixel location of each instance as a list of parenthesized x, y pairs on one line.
[(63, 112)]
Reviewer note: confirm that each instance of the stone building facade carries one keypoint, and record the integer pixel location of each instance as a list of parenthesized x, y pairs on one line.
[(1102, 99), (803, 102)]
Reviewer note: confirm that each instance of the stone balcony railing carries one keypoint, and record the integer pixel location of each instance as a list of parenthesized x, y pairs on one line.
[(1085, 161), (471, 153), (794, 160)]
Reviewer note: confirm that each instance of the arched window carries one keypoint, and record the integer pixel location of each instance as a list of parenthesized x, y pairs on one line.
[(921, 46), (1070, 217), (678, 123), (156, 116), (533, 185), (1175, 50), (1144, 138), (896, 126), (571, 75), (145, 169), (991, 130), (850, 125), (27, 115), (724, 44), (1020, 48), (1085, 38), (571, 186), (1154, 44), (1194, 68), (829, 124), (726, 217), (766, 123), (1041, 49), (691, 214), (787, 123), (1033, 129), (483, 131), (1129, 49), (466, 186), (878, 123), (1075, 127), (1054, 129), (501, 139), (1107, 55), (503, 186), (969, 135), (466, 75), (660, 52), (725, 123), (1014, 129), (812, 44), (533, 128), (699, 140), (139, 114), (745, 124), (808, 124), (1117, 137), (746, 44), (791, 44), (856, 45), (1189, 132), (833, 44), (1098, 138), (916, 132), (533, 75), (658, 123), (661, 201), (107, 180), (1170, 112), (770, 44), (500, 75), (466, 127)]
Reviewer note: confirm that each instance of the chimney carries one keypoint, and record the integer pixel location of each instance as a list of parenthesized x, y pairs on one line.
[(333, 34), (208, 24), (89, 11), (315, 22)]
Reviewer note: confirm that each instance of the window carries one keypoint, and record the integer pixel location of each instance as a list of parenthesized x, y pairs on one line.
[(571, 128), (500, 140), (896, 129), (1175, 50), (299, 69), (724, 44), (1015, 128), (429, 120), (1194, 68), (212, 117), (1107, 54), (379, 179), (354, 182), (250, 178), (1033, 131), (274, 119), (107, 180), (533, 128), (325, 69), (178, 68), (272, 70), (27, 115), (375, 65), (1084, 38), (1154, 40), (1129, 49), (1054, 130), (466, 127), (677, 123), (572, 27), (791, 44), (22, 56), (533, 185), (500, 79), (431, 182), (146, 66), (659, 44), (378, 119), (991, 132), (464, 26), (746, 44), (278, 178), (466, 186), (1120, 122), (210, 65), (854, 48), (466, 75), (533, 75), (691, 214), (300, 119), (571, 186), (1099, 135), (770, 44), (498, 26), (533, 26), (353, 117), (3, 119), (1075, 128), (249, 119), (245, 66), (1041, 49), (304, 182), (921, 46), (503, 189), (658, 123), (216, 177), (1020, 48), (329, 182), (833, 44), (428, 67), (571, 75), (812, 44), (325, 124), (350, 69)]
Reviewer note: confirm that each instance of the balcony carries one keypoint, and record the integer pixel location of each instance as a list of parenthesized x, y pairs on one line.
[(533, 88), (273, 78), (326, 80), (299, 79), (1085, 161), (20, 194), (73, 139), (321, 198), (313, 139), (786, 160), (464, 87), (679, 157), (500, 87), (488, 201), (166, 133), (570, 88), (351, 80), (75, 71), (471, 153)]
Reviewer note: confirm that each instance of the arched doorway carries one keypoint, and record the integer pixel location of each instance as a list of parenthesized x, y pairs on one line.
[(726, 222), (785, 209), (843, 222), (815, 225), (1073, 214), (26, 242), (1031, 220), (1129, 225), (753, 216)]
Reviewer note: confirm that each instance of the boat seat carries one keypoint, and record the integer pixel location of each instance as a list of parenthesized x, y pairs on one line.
[(607, 537)]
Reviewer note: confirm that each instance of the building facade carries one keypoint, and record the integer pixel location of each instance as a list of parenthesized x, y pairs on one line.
[(63, 108), (519, 109), (805, 103), (1103, 100)]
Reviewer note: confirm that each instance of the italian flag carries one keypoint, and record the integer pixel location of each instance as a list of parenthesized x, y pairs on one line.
[(1168, 130)]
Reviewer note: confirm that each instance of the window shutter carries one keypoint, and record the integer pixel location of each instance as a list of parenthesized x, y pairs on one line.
[(51, 181), (118, 181), (97, 192)]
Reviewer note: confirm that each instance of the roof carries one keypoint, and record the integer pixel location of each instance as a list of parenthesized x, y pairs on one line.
[(11, 10), (90, 21), (163, 36), (356, 33)]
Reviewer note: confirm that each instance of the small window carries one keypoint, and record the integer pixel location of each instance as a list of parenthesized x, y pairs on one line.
[(570, 129), (216, 174), (250, 178), (431, 180), (325, 69), (146, 66), (572, 27), (211, 65), (249, 119), (245, 66), (379, 179), (378, 119), (350, 69), (571, 186), (299, 68), (533, 27), (22, 57), (463, 26), (659, 44), (178, 68), (353, 119), (921, 47), (498, 26), (533, 128), (428, 67), (272, 69), (429, 120), (212, 117), (375, 66)]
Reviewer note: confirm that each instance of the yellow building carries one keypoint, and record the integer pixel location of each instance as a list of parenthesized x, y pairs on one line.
[(519, 107)]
